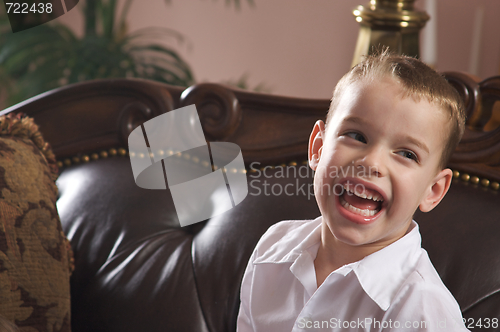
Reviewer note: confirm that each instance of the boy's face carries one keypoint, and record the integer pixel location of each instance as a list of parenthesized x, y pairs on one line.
[(382, 146)]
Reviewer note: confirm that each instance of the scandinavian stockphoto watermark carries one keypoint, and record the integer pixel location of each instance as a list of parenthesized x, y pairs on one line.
[(299, 180), (204, 182)]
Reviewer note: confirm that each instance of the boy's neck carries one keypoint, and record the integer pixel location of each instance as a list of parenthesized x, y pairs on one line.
[(333, 254)]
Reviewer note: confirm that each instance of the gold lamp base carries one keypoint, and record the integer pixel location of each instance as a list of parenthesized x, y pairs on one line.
[(391, 23)]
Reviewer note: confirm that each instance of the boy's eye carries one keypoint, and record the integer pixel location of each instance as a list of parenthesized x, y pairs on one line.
[(356, 136), (408, 154)]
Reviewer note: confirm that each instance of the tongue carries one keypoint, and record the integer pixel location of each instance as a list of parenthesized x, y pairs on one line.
[(361, 203)]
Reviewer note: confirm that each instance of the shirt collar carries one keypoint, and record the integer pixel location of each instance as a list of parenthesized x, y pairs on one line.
[(380, 274), (290, 246)]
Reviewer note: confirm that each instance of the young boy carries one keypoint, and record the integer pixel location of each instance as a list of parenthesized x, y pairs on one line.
[(391, 128)]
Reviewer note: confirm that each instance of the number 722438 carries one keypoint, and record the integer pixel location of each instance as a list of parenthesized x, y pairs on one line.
[(25, 8)]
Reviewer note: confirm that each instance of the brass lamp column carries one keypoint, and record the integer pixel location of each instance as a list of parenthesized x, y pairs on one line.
[(392, 23)]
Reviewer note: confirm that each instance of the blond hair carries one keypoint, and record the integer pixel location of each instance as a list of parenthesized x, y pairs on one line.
[(416, 80)]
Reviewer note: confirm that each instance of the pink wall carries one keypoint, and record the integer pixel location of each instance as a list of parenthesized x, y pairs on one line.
[(456, 24), (300, 47)]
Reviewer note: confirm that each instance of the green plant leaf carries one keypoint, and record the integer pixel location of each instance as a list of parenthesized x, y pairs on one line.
[(107, 16)]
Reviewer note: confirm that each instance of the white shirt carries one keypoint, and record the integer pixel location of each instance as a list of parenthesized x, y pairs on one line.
[(393, 289)]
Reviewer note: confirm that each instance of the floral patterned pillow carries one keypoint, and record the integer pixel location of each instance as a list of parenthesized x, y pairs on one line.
[(35, 257)]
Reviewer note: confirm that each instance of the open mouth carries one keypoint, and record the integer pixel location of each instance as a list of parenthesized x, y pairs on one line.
[(365, 202)]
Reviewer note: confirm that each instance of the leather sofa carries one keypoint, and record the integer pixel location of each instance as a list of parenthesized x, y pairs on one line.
[(136, 269)]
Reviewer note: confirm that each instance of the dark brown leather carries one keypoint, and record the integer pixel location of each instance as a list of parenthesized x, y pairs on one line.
[(137, 270), (140, 269), (461, 236)]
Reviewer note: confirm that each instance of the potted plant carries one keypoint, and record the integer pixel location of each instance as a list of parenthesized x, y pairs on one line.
[(51, 55)]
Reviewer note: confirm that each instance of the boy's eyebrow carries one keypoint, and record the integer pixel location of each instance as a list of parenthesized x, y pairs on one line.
[(355, 119), (416, 142), (412, 140)]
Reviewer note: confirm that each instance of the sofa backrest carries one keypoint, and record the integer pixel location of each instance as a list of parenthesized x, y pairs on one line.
[(136, 269)]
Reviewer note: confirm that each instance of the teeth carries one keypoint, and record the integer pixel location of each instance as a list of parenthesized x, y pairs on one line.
[(365, 212), (367, 194)]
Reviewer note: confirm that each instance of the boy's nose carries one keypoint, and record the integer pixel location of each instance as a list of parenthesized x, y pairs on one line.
[(371, 163)]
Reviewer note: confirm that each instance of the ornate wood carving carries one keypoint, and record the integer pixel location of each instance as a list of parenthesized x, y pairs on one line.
[(93, 116), (218, 107), (479, 151)]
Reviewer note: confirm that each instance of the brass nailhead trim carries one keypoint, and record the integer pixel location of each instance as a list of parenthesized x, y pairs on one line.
[(475, 180), (123, 152), (94, 156)]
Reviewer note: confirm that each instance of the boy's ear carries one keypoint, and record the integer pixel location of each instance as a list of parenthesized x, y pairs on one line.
[(316, 144), (436, 192)]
